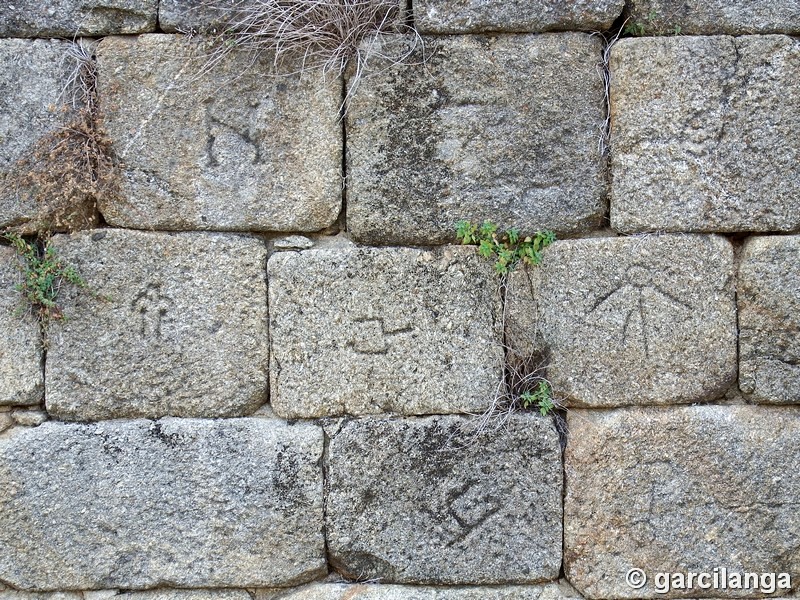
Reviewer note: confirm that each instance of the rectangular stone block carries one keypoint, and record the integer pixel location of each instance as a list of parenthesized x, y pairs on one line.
[(365, 330), (456, 508), (176, 502), (189, 15), (33, 74), (474, 16), (707, 140), (638, 320), (228, 146), (679, 490), (21, 374), (715, 16), (344, 591), (504, 128), (769, 319), (180, 329), (70, 18)]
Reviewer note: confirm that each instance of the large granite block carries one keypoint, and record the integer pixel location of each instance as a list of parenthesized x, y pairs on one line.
[(33, 75), (504, 128), (678, 490), (360, 331), (637, 320), (176, 502), (425, 500), (715, 16), (345, 591), (70, 18), (228, 147), (473, 16), (769, 319), (21, 375), (704, 134), (182, 329)]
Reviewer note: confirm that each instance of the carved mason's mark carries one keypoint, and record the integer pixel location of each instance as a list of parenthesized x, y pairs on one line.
[(369, 335), (152, 306), (470, 506), (633, 309), (227, 144)]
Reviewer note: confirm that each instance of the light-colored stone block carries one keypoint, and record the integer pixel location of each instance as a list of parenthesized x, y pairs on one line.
[(678, 490), (21, 376), (715, 16), (395, 330), (70, 18), (504, 128), (473, 16), (638, 320), (175, 503), (226, 147), (345, 591), (769, 319), (181, 330), (425, 500), (704, 134)]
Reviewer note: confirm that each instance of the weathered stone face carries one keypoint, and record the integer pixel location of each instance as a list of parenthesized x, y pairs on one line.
[(188, 15), (334, 591), (361, 331), (21, 377), (182, 332), (707, 141), (470, 16), (769, 319), (504, 128), (33, 74), (715, 16), (677, 490), (637, 320), (233, 147), (426, 501), (68, 18), (177, 502)]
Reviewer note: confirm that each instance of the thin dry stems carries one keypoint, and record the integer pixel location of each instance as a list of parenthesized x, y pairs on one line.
[(301, 36), (604, 143)]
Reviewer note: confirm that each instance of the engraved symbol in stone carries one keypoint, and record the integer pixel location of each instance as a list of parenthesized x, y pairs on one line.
[(470, 506), (369, 335), (634, 308), (152, 305)]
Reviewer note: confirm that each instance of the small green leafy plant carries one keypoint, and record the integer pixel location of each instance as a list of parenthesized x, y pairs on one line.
[(508, 249), (44, 272), (541, 398)]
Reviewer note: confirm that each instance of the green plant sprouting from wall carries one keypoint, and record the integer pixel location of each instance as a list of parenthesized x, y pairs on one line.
[(43, 274), (508, 249)]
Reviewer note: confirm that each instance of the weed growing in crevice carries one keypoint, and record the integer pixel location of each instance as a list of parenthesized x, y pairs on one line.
[(307, 36), (43, 275), (66, 171), (525, 386)]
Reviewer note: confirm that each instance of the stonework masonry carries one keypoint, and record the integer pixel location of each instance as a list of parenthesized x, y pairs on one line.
[(278, 374)]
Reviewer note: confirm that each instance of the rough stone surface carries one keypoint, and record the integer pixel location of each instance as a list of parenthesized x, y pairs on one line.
[(21, 377), (637, 320), (704, 134), (29, 418), (225, 149), (5, 422), (471, 16), (182, 332), (769, 319), (680, 489), (716, 16), (343, 591), (185, 595), (176, 502), (503, 128), (68, 18), (17, 595), (455, 508), (33, 74), (360, 331)]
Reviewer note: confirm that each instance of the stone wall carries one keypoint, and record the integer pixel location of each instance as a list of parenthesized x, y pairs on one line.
[(284, 381)]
